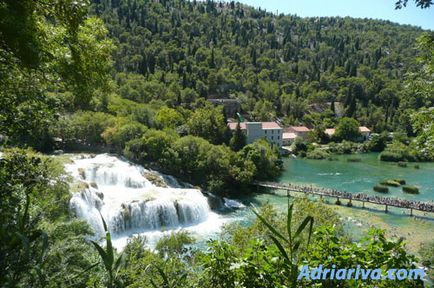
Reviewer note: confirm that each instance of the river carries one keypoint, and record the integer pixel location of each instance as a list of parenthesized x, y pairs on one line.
[(344, 175), (132, 204)]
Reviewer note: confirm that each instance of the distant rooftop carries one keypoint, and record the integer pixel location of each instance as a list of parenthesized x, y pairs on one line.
[(233, 125), (331, 131), (222, 100), (296, 129), (364, 129), (289, 135), (265, 125)]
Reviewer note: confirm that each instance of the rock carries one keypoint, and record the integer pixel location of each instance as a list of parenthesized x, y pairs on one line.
[(100, 195), (82, 173), (214, 202), (93, 185), (58, 152), (155, 179)]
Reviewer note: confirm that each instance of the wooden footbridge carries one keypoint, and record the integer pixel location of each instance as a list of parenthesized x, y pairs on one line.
[(360, 197)]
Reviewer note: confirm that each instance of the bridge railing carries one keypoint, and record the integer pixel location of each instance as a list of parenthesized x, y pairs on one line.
[(387, 201)]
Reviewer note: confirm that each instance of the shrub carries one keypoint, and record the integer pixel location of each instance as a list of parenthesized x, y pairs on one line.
[(392, 183), (400, 181), (354, 160), (317, 154), (391, 156), (410, 189), (402, 164), (381, 189)]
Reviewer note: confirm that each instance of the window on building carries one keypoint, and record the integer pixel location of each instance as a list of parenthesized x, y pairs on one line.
[(272, 131), (265, 131), (278, 137), (272, 138)]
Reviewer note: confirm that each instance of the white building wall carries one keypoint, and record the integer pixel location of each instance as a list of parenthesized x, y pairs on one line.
[(254, 131), (274, 136)]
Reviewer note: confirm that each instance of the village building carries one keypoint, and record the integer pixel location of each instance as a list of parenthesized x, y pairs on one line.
[(290, 133), (257, 130), (364, 132)]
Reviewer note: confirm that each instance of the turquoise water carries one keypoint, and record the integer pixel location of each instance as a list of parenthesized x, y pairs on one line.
[(359, 177)]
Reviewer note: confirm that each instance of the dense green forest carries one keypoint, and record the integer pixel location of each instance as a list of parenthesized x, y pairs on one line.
[(276, 65), (132, 77)]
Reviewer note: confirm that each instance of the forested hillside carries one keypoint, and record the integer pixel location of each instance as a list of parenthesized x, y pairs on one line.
[(276, 65), (132, 77)]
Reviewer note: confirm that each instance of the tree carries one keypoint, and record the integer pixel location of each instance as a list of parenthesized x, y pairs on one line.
[(30, 185), (423, 124), (347, 129), (238, 140), (423, 4), (169, 118), (208, 123)]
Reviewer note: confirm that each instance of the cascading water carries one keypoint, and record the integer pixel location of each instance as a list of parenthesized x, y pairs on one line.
[(129, 202)]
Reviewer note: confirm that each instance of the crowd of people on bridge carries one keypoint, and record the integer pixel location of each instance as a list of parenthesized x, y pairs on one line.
[(402, 203)]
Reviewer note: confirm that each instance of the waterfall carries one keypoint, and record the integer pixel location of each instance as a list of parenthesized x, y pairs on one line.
[(119, 191)]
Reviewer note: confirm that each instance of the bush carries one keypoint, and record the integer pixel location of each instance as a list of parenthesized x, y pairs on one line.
[(392, 183), (410, 189), (317, 154), (354, 160), (400, 181), (402, 164), (381, 189), (390, 156)]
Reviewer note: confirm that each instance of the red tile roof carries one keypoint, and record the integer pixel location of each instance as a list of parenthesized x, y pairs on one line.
[(270, 125), (296, 129), (265, 125), (233, 125)]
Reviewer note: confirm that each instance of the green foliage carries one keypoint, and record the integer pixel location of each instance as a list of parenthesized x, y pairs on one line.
[(209, 124), (174, 244), (82, 129), (377, 142), (238, 139), (69, 255), (410, 189), (392, 183), (32, 190), (399, 152), (381, 189), (169, 118), (111, 264), (426, 252), (291, 241), (347, 129), (304, 66), (423, 4), (372, 251), (123, 132), (317, 154), (424, 127), (195, 160), (265, 158)]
